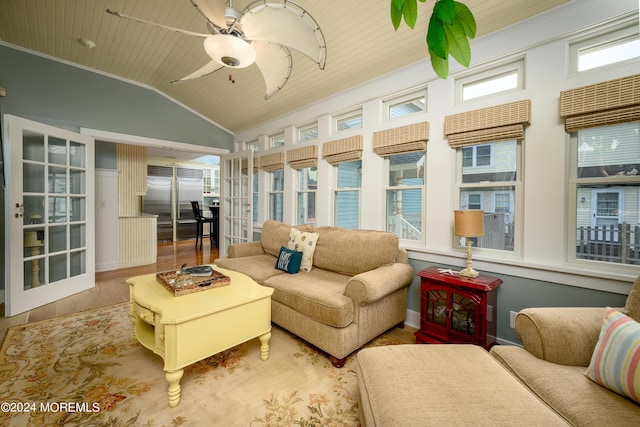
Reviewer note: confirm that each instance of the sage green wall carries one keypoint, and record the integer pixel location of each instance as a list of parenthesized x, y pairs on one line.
[(62, 95), (106, 155), (517, 293)]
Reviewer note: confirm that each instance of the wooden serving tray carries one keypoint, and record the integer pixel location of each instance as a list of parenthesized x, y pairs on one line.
[(200, 283)]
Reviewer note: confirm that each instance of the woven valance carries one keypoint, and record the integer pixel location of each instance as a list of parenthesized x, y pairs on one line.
[(272, 162), (498, 123), (601, 104), (303, 157), (343, 150), (404, 139), (256, 164)]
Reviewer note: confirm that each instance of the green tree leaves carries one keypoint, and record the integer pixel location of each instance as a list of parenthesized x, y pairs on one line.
[(450, 27)]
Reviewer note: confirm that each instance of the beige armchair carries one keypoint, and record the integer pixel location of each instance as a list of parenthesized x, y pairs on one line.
[(558, 343)]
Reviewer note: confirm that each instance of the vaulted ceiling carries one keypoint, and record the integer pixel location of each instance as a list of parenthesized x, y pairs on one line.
[(361, 45)]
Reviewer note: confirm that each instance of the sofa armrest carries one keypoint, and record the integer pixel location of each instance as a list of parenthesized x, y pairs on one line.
[(374, 284), (562, 335), (240, 250)]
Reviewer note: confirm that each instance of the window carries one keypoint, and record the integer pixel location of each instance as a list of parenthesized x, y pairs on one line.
[(347, 194), (476, 156), (404, 195), (309, 131), (253, 146), (216, 182), (496, 80), (306, 195), (605, 187), (276, 140), (415, 102), (255, 194), (488, 179), (276, 195), (350, 120), (611, 47), (206, 181)]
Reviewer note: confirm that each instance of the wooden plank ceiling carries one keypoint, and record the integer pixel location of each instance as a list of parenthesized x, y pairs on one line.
[(361, 45)]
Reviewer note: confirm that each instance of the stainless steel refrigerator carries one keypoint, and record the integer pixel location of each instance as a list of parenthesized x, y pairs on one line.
[(169, 196)]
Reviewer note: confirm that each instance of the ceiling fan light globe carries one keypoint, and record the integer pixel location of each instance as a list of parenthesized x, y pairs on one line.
[(229, 51)]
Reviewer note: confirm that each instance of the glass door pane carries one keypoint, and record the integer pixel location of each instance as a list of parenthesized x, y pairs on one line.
[(236, 199), (50, 226)]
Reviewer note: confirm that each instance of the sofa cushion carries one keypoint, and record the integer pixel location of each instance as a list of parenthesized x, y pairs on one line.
[(564, 388), (318, 295), (304, 242), (258, 267), (275, 234), (616, 360), (353, 252), (289, 260)]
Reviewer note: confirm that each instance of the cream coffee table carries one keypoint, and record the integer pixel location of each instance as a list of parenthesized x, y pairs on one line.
[(188, 328)]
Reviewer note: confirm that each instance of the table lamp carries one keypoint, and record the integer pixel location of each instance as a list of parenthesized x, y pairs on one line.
[(469, 223)]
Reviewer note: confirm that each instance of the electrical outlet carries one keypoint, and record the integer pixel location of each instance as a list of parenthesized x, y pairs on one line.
[(489, 313), (512, 319)]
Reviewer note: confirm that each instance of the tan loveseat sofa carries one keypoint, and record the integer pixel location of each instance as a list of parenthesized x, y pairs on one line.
[(540, 384), (356, 289)]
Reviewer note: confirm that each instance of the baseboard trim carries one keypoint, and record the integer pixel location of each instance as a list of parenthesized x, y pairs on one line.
[(413, 319)]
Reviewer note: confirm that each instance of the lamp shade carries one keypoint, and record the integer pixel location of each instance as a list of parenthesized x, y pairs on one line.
[(230, 51), (469, 223)]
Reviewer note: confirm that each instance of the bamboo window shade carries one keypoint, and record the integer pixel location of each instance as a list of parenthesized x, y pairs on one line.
[(256, 163), (272, 162), (601, 104), (497, 123), (343, 150), (404, 139), (303, 157)]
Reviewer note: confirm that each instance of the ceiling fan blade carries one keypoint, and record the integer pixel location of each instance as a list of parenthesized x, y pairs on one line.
[(207, 69), (274, 62), (155, 24), (213, 11), (285, 23)]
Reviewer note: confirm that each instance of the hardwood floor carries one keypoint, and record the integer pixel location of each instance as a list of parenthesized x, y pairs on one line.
[(111, 287)]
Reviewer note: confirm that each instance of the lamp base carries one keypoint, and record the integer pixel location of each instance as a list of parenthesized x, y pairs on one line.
[(469, 272)]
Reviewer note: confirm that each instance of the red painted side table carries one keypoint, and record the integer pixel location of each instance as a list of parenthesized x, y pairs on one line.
[(457, 309)]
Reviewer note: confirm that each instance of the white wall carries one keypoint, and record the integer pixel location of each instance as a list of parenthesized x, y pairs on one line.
[(106, 219), (543, 42)]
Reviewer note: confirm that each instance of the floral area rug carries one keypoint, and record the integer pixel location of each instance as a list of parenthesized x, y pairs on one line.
[(87, 369)]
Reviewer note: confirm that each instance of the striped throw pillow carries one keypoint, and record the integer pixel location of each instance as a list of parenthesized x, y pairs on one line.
[(615, 363)]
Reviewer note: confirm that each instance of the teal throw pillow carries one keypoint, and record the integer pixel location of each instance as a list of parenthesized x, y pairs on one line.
[(289, 260)]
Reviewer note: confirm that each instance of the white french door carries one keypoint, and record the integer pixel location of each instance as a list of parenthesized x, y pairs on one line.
[(236, 222), (50, 221)]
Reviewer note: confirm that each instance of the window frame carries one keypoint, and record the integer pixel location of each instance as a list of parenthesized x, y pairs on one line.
[(488, 75), (600, 40), (479, 188), (402, 187), (273, 193), (305, 128), (607, 184), (276, 140), (404, 99), (303, 188), (344, 117), (339, 190)]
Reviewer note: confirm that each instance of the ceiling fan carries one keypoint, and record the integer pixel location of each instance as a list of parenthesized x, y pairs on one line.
[(262, 33)]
